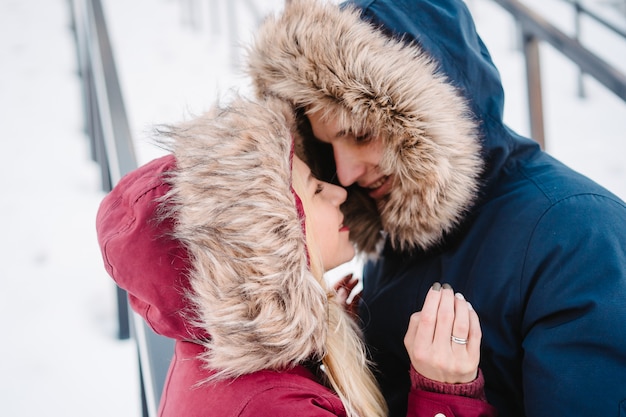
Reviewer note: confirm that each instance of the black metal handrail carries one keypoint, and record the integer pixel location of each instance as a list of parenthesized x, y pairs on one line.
[(535, 29), (583, 10), (105, 112), (112, 147), (103, 107), (580, 11)]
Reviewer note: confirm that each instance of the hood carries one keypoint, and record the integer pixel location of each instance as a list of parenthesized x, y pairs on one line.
[(140, 254), (226, 196), (414, 93)]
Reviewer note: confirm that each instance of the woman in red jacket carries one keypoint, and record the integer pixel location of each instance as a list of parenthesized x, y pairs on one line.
[(222, 245)]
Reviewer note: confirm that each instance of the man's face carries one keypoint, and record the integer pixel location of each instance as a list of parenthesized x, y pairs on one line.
[(357, 155)]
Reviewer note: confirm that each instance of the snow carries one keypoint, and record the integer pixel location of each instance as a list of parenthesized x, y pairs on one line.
[(60, 354)]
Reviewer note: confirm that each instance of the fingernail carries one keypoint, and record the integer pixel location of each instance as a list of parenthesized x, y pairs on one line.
[(470, 306), (459, 296), (447, 286), (436, 286)]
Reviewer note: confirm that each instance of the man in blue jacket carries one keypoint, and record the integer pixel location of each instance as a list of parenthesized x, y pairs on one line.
[(401, 104)]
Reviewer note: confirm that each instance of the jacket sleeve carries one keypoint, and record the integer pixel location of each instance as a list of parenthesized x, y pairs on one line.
[(431, 398), (573, 325)]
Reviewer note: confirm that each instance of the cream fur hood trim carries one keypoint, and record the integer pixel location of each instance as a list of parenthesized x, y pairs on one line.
[(235, 213), (317, 56)]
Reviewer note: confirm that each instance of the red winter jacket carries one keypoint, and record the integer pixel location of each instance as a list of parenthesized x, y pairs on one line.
[(290, 393)]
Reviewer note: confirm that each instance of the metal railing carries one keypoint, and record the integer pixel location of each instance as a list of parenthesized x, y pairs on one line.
[(202, 14), (112, 147), (580, 11), (536, 29), (103, 108)]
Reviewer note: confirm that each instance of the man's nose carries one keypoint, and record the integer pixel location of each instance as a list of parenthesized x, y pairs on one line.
[(339, 194), (349, 170)]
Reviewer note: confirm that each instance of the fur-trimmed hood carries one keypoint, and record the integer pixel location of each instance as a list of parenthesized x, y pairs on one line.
[(235, 227), (318, 54), (236, 213)]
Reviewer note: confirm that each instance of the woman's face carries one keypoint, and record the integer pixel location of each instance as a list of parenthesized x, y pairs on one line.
[(324, 218), (357, 156)]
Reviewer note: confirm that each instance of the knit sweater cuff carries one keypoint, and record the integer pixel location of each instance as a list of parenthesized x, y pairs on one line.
[(474, 389)]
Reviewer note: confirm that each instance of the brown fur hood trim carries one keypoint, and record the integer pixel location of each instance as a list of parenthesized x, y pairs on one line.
[(318, 56), (231, 198)]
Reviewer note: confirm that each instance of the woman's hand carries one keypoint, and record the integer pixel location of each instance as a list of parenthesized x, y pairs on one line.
[(344, 288), (443, 340)]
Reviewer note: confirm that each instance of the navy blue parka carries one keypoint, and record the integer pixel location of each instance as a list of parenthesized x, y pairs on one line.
[(541, 255)]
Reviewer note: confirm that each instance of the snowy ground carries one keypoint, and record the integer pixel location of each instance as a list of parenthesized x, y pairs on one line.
[(60, 356)]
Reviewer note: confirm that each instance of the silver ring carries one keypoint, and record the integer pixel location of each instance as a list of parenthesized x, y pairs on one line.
[(458, 340)]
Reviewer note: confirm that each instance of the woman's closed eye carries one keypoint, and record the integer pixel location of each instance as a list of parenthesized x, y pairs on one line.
[(363, 138)]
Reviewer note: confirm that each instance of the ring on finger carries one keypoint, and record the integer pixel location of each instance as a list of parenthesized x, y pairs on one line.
[(458, 340)]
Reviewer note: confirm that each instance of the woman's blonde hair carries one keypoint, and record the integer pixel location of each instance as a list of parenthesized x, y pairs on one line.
[(346, 366)]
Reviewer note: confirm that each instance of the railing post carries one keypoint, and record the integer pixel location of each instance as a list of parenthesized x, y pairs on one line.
[(533, 79), (577, 35), (93, 51)]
